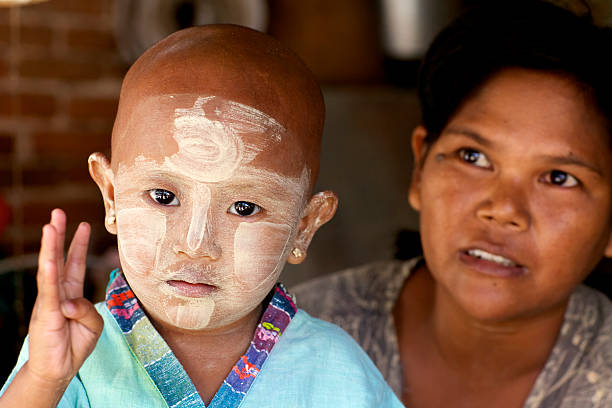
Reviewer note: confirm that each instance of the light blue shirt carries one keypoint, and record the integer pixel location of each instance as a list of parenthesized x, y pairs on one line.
[(312, 364)]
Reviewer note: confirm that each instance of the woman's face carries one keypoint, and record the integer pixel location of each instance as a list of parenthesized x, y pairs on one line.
[(515, 197)]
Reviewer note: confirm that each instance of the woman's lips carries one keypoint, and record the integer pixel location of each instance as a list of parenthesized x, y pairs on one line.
[(493, 265), (191, 289)]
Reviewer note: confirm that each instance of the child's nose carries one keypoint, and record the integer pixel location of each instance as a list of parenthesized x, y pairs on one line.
[(200, 239), (505, 205)]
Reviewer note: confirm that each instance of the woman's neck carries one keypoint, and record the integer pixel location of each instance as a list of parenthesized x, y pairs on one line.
[(520, 344), (440, 341), (506, 348)]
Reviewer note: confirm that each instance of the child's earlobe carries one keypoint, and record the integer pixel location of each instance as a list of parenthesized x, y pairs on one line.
[(101, 172), (320, 209)]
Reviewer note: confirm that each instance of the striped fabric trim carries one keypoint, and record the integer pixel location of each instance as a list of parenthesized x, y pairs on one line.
[(166, 371)]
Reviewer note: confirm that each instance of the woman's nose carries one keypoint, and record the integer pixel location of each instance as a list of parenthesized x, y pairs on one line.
[(505, 205)]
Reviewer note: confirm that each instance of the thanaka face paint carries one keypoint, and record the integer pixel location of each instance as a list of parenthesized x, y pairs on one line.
[(191, 263)]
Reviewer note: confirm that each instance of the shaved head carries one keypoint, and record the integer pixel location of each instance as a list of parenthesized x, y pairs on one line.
[(215, 152), (236, 64)]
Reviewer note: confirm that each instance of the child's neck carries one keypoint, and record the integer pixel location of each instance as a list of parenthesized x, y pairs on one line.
[(208, 355)]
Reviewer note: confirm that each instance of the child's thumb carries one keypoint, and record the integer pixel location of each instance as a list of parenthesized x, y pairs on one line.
[(84, 312)]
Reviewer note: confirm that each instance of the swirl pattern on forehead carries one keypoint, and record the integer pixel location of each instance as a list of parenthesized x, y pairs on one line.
[(209, 136)]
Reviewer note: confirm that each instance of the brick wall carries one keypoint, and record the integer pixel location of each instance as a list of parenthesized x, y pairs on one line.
[(60, 75)]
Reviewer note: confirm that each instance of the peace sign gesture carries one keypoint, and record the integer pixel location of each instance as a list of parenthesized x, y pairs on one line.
[(64, 327)]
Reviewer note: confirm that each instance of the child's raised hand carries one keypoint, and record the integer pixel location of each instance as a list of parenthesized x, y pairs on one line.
[(65, 326)]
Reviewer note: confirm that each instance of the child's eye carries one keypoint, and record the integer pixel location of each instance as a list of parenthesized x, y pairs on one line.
[(163, 197), (474, 157), (561, 179), (244, 208)]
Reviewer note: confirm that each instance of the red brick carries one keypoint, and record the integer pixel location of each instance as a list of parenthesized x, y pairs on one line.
[(6, 143), (100, 127), (35, 35), (55, 173), (56, 68), (82, 6), (6, 177), (105, 108), (3, 68), (27, 104), (92, 39), (5, 34), (100, 239), (38, 8), (118, 69), (6, 107), (70, 143), (38, 213)]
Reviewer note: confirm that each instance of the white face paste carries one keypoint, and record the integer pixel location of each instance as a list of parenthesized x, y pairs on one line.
[(259, 248), (209, 141), (199, 227), (198, 241)]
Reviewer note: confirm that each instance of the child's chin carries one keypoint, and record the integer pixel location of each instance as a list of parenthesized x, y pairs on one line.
[(188, 316)]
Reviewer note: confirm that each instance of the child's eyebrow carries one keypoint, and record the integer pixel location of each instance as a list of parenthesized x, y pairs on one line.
[(280, 191), (471, 134)]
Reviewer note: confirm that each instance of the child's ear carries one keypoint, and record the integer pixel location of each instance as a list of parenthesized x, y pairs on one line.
[(419, 151), (101, 172), (320, 209)]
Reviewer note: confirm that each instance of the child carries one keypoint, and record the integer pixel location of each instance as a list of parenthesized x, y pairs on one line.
[(214, 155)]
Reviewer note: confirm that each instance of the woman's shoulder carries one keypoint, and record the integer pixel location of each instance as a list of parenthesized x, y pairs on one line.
[(579, 369), (371, 287), (589, 320)]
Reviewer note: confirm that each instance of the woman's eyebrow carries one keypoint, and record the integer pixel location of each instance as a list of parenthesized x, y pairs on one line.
[(471, 134), (573, 161)]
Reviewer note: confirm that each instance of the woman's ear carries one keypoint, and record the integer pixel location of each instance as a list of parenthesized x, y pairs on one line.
[(608, 251), (419, 151), (320, 209), (101, 172)]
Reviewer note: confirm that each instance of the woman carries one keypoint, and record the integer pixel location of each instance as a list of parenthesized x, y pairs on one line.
[(513, 182)]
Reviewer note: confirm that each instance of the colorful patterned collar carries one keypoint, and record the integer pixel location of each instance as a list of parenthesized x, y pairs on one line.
[(165, 370)]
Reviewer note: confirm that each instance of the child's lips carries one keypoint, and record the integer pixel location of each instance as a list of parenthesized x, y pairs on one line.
[(191, 289)]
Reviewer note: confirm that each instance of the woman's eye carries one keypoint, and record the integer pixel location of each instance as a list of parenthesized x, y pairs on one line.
[(163, 197), (474, 157), (561, 179), (244, 208)]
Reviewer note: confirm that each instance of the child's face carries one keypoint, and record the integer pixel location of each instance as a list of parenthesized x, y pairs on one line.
[(515, 197), (207, 207)]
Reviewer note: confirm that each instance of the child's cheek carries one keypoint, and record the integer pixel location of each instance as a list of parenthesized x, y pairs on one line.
[(140, 232), (259, 251)]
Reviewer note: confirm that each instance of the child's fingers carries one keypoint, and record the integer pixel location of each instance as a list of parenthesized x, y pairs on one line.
[(48, 298), (83, 311), (74, 271), (58, 220)]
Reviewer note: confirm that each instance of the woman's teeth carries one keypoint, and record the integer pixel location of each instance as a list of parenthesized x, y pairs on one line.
[(479, 253)]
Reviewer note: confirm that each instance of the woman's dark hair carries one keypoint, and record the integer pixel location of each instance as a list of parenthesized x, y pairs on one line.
[(500, 34)]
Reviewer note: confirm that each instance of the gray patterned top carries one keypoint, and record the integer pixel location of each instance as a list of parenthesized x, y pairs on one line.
[(578, 373)]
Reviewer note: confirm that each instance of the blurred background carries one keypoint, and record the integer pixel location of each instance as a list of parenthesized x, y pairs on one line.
[(61, 67)]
